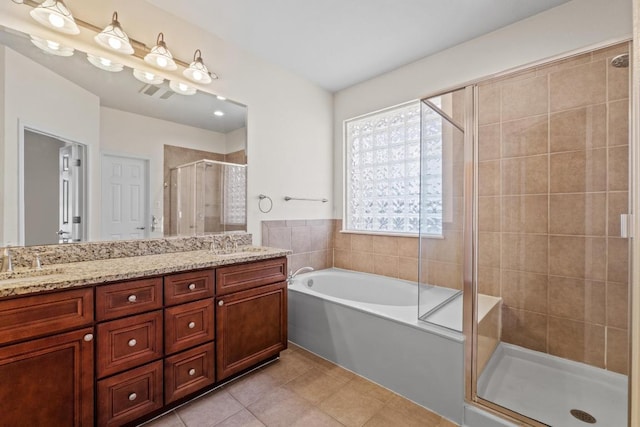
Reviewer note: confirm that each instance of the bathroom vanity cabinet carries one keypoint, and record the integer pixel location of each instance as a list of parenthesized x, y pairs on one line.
[(158, 340)]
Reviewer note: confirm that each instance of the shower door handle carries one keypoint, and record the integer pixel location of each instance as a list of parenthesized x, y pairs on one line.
[(626, 226)]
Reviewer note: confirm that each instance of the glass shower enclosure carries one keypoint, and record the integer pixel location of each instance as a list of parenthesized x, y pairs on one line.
[(208, 196)]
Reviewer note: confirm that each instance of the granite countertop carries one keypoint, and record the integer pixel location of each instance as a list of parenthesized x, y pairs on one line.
[(64, 276)]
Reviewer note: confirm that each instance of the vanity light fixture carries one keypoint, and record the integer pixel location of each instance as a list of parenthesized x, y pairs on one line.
[(160, 56), (218, 113), (147, 77), (182, 88), (104, 63), (197, 72), (52, 47), (55, 14), (114, 38)]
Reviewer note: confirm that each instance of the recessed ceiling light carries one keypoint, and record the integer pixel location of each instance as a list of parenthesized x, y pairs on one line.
[(221, 98), (218, 113)]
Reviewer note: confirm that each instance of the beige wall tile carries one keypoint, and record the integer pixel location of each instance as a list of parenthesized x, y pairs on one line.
[(618, 82), (525, 290), (579, 257), (618, 350), (489, 250), (408, 269), (445, 274), (489, 213), (280, 237), (362, 261), (610, 51), (578, 86), (297, 261), (525, 252), (362, 242), (618, 260), (524, 98), (489, 178), (618, 305), (385, 265), (618, 203), (489, 104), (385, 245), (300, 239), (525, 175), (319, 237), (618, 132), (563, 64), (447, 249), (577, 299), (579, 129), (618, 168), (408, 247), (578, 171), (525, 214), (577, 341), (342, 241), (578, 213), (320, 260), (489, 281), (342, 259), (524, 328), (489, 141), (525, 137)]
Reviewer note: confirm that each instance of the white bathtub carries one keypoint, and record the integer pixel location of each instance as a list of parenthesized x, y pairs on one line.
[(369, 324)]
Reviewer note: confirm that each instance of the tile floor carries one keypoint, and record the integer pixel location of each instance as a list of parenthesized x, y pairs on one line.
[(301, 389)]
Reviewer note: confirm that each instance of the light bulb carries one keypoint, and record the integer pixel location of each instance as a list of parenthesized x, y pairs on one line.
[(106, 62), (218, 113), (183, 86), (162, 62), (197, 75), (115, 43), (56, 21), (149, 76), (53, 45)]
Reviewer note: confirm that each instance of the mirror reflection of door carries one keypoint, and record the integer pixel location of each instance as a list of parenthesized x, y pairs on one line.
[(54, 202), (124, 204)]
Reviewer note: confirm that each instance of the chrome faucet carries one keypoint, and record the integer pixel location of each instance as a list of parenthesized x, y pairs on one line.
[(7, 263), (293, 274)]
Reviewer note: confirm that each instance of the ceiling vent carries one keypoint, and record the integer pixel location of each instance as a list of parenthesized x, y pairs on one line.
[(156, 91)]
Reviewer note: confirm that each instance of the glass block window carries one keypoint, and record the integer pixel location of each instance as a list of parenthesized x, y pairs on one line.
[(432, 165), (234, 195), (383, 172)]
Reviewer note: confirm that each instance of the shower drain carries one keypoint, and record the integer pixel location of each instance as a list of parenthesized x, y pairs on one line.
[(583, 416)]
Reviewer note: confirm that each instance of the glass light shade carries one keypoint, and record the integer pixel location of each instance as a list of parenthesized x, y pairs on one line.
[(104, 63), (147, 77), (55, 14), (114, 38), (182, 88), (160, 56), (51, 47), (197, 72)]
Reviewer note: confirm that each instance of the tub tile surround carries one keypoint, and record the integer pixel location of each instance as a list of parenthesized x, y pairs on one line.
[(554, 164), (301, 389)]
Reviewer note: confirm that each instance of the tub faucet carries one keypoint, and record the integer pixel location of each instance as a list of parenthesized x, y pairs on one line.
[(293, 274), (7, 263)]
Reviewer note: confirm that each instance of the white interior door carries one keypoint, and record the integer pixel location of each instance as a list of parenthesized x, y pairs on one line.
[(124, 198)]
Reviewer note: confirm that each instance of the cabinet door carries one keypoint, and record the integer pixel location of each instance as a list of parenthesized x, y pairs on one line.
[(48, 381), (251, 326)]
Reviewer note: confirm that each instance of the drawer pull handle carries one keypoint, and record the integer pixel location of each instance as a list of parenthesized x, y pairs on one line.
[(132, 342), (88, 337), (191, 325), (192, 286), (192, 372), (133, 397), (220, 303), (132, 298)]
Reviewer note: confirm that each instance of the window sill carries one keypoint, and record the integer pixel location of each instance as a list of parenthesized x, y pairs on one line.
[(391, 234)]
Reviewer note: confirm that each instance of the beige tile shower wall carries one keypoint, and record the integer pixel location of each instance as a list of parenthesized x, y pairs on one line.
[(310, 240), (553, 177)]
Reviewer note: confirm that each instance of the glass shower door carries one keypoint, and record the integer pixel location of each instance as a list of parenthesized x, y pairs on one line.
[(551, 268)]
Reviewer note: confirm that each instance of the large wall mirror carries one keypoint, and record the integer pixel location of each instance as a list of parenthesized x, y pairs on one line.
[(91, 154)]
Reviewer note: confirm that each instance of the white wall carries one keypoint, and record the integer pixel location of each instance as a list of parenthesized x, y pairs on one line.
[(236, 140), (574, 25), (40, 99), (290, 119)]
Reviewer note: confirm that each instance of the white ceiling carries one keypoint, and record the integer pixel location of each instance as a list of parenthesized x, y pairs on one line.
[(337, 43)]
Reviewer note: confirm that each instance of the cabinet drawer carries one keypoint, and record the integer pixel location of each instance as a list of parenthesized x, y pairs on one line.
[(188, 325), (246, 276), (185, 287), (130, 395), (188, 372), (129, 342), (35, 315), (125, 298)]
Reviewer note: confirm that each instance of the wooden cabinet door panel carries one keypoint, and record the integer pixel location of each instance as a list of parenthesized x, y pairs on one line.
[(240, 277), (126, 298), (129, 342), (187, 325), (185, 287), (130, 395), (251, 326), (48, 381), (188, 372), (37, 315)]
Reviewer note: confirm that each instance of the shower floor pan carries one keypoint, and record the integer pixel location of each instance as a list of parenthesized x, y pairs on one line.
[(546, 388)]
